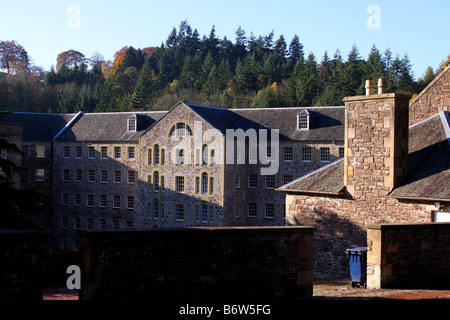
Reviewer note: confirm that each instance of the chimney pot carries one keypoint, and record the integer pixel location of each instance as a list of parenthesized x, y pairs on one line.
[(381, 85), (370, 87)]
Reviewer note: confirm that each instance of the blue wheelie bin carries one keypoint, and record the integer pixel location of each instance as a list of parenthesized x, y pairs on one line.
[(358, 265)]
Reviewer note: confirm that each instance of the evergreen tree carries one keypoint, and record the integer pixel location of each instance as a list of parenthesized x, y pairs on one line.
[(352, 76), (144, 87), (374, 67), (295, 50)]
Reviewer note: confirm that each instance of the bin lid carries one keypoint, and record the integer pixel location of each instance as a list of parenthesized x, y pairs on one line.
[(356, 250)]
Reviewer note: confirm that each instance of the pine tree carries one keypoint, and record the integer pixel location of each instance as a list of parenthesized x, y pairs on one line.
[(144, 87)]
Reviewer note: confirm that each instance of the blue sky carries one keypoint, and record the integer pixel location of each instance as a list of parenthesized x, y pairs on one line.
[(48, 27)]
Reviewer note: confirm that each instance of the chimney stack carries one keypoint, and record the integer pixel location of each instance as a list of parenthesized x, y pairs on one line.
[(381, 85), (376, 141), (370, 87)]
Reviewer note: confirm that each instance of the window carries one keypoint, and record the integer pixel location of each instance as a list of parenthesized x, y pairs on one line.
[(287, 178), (90, 200), (179, 184), (89, 223), (117, 176), (211, 158), (179, 157), (66, 175), (211, 214), (91, 152), (40, 174), (64, 244), (204, 212), (237, 181), (117, 152), (130, 224), (40, 151), (131, 177), (130, 202), (38, 221), (156, 155), (64, 222), (205, 155), (197, 185), (76, 223), (102, 223), (116, 224), (325, 154), (132, 124), (179, 212), (288, 154), (269, 210), (104, 176), (211, 185), (303, 122), (306, 154), (78, 152), (131, 152), (156, 181), (66, 151), (204, 183), (155, 208), (91, 175), (197, 213), (237, 210), (270, 182), (65, 199), (252, 180), (78, 175), (283, 212), (180, 129), (104, 152), (77, 200), (163, 157), (116, 202), (252, 209), (149, 156), (103, 200), (341, 152)]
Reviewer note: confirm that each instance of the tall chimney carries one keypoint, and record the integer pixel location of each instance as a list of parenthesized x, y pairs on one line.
[(376, 141), (370, 87), (381, 86)]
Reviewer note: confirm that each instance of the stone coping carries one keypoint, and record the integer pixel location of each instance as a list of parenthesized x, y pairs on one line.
[(377, 96), (390, 226)]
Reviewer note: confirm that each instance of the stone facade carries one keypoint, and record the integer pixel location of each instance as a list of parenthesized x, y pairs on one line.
[(375, 162), (433, 99)]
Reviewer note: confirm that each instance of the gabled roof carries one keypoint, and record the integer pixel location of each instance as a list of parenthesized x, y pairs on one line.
[(428, 175), (109, 126), (38, 126), (221, 119), (326, 180)]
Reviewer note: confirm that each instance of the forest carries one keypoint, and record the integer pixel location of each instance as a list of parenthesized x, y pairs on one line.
[(249, 72)]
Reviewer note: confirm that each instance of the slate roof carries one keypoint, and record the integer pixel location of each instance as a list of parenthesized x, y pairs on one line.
[(38, 126), (326, 180), (326, 123), (428, 175), (109, 126)]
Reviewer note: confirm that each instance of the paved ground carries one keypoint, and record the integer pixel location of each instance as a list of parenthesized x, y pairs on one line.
[(333, 290)]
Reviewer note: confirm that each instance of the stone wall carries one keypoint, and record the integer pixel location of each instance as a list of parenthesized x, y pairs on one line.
[(433, 99), (197, 263), (342, 223), (21, 265), (408, 255)]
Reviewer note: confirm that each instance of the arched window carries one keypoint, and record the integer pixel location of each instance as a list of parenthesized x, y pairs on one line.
[(205, 155), (156, 155), (180, 129), (204, 183), (155, 208), (156, 181)]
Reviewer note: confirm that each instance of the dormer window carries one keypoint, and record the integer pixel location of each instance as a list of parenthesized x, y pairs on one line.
[(132, 124), (303, 120)]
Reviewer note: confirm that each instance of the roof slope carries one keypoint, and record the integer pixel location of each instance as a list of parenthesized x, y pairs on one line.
[(428, 175), (39, 126), (326, 124), (326, 180), (110, 126)]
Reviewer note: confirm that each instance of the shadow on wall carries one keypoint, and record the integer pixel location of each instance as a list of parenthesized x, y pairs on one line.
[(332, 237)]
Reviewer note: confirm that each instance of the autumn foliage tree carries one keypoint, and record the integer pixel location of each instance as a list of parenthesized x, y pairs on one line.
[(70, 58)]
